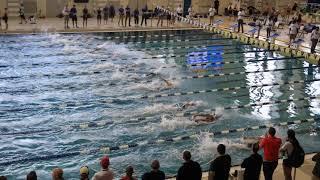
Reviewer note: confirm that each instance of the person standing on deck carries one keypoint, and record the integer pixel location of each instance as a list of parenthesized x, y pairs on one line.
[(314, 39), (85, 14), (271, 146), (128, 16), (105, 14), (216, 6), (66, 14)]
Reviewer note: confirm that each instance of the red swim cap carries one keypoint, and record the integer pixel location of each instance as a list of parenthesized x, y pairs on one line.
[(105, 162)]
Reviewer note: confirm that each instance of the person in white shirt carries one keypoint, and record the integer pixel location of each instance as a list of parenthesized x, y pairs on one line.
[(293, 31), (66, 14), (179, 10), (240, 20), (314, 39), (258, 26), (190, 11), (212, 12)]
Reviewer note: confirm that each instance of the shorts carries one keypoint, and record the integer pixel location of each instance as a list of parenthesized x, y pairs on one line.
[(74, 18), (287, 163), (66, 17)]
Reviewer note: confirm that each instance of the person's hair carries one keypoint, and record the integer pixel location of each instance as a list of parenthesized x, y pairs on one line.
[(221, 149), (255, 147), (129, 171), (57, 174), (272, 131), (155, 165), (186, 155), (292, 138), (3, 178), (32, 175)]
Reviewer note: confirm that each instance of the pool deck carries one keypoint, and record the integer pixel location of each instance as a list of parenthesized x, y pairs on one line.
[(57, 25), (302, 173)]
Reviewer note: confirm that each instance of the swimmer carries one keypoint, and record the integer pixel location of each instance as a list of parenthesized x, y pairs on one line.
[(168, 83), (183, 106), (205, 118), (250, 141)]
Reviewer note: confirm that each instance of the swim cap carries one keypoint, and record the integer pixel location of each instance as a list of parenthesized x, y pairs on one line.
[(105, 162), (57, 173), (84, 170)]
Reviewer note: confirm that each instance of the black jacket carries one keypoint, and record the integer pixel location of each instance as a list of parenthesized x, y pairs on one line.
[(190, 170)]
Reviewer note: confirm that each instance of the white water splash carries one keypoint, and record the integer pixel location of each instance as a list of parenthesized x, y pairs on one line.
[(172, 123)]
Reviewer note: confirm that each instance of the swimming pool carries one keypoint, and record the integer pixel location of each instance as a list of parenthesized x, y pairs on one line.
[(75, 94)]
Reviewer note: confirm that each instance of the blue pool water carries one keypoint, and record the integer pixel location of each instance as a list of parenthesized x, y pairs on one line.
[(49, 82)]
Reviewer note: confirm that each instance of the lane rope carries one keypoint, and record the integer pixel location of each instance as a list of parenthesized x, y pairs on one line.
[(224, 89), (110, 149)]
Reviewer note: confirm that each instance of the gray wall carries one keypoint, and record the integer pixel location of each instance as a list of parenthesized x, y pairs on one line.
[(54, 7)]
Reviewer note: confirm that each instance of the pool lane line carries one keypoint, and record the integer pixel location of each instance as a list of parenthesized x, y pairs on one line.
[(222, 89), (176, 41), (184, 114), (244, 61), (238, 73), (103, 124), (190, 33), (185, 47), (110, 149), (99, 72), (130, 37), (247, 105)]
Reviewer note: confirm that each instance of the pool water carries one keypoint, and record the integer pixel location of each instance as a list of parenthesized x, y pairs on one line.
[(50, 83)]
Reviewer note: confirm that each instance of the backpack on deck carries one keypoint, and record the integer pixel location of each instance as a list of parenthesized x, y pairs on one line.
[(296, 158)]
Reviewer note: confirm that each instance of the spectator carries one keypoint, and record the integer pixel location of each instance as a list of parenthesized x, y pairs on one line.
[(73, 14), (230, 10), (212, 12), (287, 149), (136, 17), (84, 173), (128, 16), (220, 167), (21, 13), (99, 16), (252, 164), (155, 173), (190, 12), (258, 25), (3, 178), (57, 174), (85, 14), (294, 7), (293, 31), (129, 173), (121, 16), (161, 15), (112, 12), (270, 24), (168, 16), (5, 18), (179, 11), (32, 176), (314, 39), (216, 6), (240, 20), (271, 146), (66, 14), (105, 14), (190, 170), (144, 15), (316, 169), (0, 20), (105, 173)]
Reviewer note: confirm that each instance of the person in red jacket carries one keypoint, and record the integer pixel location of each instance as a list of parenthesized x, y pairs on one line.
[(271, 146)]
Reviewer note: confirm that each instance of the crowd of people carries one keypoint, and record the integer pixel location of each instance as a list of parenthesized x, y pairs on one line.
[(290, 151)]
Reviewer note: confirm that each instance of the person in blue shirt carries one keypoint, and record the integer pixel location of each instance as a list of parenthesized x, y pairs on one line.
[(128, 16), (136, 16), (73, 14), (121, 16), (105, 14)]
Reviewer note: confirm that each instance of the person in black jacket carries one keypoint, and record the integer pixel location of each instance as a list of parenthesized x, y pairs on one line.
[(252, 164), (155, 173), (190, 170)]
